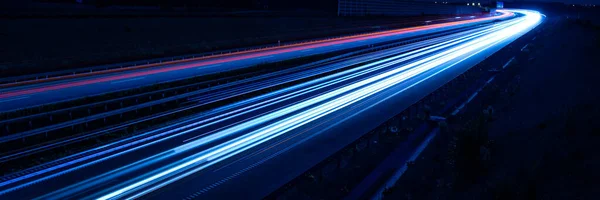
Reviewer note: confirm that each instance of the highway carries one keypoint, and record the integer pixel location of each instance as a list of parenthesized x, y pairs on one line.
[(14, 96), (250, 148)]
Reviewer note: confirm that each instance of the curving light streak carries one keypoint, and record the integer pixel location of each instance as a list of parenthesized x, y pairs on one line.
[(313, 109), (242, 56), (293, 108), (244, 107), (278, 122)]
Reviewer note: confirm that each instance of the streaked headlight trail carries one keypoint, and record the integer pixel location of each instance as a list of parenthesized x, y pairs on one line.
[(240, 127)]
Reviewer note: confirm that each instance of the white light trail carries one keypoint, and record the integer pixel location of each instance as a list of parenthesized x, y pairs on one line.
[(315, 108), (243, 107)]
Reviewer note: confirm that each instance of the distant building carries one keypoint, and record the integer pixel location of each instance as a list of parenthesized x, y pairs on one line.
[(402, 8)]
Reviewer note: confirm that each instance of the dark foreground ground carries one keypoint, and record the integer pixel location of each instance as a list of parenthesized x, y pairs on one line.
[(541, 139)]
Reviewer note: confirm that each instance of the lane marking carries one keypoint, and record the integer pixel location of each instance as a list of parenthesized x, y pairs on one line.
[(306, 50), (394, 178), (208, 66), (475, 94), (490, 80), (534, 38), (199, 136), (122, 81), (7, 100), (524, 47), (472, 96), (507, 63), (264, 57)]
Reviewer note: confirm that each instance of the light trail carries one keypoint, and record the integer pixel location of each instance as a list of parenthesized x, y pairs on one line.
[(299, 105), (248, 107), (333, 102), (264, 53)]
